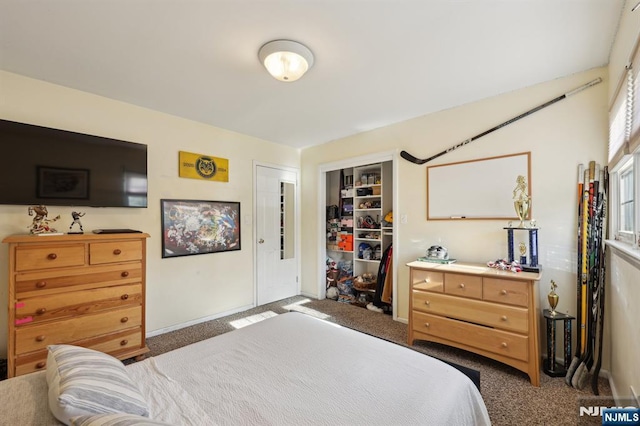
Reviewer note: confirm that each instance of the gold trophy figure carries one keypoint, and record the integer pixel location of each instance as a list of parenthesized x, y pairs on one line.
[(523, 253), (521, 200), (553, 297)]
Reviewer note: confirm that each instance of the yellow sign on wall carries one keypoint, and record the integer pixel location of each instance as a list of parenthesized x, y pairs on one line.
[(205, 167)]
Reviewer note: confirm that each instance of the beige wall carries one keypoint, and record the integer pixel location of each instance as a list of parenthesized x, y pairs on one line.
[(621, 51), (181, 289), (622, 321), (559, 137), (623, 293)]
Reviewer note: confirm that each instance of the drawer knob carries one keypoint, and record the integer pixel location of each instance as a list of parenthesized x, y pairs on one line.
[(117, 252), (41, 365), (52, 256), (427, 302), (461, 285), (40, 338), (124, 274), (41, 284), (504, 318), (124, 297), (124, 342), (124, 319), (41, 311), (426, 280), (503, 292), (426, 324), (504, 344)]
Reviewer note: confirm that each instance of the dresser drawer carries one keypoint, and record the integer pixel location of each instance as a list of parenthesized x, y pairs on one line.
[(506, 291), (39, 283), (496, 341), (37, 309), (476, 311), (427, 280), (114, 251), (31, 363), (111, 344), (53, 256), (37, 337), (463, 285)]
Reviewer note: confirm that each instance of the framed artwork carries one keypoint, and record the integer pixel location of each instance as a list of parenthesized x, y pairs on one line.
[(199, 227), (63, 183)]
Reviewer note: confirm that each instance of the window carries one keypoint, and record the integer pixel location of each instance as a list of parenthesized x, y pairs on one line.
[(626, 186), (624, 152)]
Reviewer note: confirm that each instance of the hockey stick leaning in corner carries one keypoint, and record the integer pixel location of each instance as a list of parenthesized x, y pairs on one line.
[(411, 158)]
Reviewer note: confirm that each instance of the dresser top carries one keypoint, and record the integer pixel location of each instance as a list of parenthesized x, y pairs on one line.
[(30, 238), (475, 269)]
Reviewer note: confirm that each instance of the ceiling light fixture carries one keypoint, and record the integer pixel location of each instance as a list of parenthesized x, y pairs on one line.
[(286, 60)]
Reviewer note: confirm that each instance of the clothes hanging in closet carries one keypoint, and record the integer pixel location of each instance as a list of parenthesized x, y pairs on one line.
[(384, 287)]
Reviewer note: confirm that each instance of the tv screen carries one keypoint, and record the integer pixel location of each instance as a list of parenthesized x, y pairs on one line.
[(40, 165)]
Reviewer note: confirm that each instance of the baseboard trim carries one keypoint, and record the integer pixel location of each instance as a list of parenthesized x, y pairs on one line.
[(621, 399), (197, 321), (309, 295)]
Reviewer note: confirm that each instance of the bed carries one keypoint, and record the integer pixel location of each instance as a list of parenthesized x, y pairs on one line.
[(291, 369)]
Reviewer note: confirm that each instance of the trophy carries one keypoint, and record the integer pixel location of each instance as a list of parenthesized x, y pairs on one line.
[(523, 253), (553, 297), (521, 200)]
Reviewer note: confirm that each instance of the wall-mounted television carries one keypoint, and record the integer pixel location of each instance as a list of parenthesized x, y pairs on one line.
[(41, 165)]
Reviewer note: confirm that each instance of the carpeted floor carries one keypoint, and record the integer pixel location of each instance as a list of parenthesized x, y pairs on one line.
[(507, 392)]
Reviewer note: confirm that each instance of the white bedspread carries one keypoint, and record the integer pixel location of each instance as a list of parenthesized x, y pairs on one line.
[(291, 369), (294, 369)]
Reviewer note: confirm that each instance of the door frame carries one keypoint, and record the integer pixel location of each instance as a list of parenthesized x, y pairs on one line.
[(254, 232), (325, 168)]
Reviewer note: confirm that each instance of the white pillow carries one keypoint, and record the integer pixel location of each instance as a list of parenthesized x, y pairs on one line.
[(120, 419), (84, 381)]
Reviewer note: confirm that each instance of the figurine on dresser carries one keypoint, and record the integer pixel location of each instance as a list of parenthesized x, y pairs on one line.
[(41, 224), (76, 220)]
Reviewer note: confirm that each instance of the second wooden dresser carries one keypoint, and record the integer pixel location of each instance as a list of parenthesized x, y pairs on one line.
[(86, 290), (479, 309)]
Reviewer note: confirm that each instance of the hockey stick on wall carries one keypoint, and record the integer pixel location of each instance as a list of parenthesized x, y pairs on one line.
[(411, 158)]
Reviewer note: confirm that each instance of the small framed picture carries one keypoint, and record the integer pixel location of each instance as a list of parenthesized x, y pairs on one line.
[(63, 183), (198, 227)]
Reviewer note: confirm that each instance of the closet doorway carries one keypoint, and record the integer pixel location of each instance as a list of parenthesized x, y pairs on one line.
[(276, 233), (355, 196)]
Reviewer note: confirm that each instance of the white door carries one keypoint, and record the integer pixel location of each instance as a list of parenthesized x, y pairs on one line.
[(276, 239)]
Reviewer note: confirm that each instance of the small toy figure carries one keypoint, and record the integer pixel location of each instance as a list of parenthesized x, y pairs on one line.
[(76, 220), (40, 224)]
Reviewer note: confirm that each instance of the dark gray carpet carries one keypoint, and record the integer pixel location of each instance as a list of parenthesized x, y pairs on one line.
[(507, 392)]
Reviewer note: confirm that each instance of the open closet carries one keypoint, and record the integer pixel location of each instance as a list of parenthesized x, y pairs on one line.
[(359, 224)]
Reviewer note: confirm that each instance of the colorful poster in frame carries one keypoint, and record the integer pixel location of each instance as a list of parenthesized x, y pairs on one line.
[(197, 227)]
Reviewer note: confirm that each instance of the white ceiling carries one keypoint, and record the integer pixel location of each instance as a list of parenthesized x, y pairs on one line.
[(377, 62)]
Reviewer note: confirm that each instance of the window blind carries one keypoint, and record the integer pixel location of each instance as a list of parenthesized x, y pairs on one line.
[(619, 121), (634, 136)]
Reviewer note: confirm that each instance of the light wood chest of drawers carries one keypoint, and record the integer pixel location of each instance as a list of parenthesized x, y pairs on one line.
[(479, 309), (86, 290)]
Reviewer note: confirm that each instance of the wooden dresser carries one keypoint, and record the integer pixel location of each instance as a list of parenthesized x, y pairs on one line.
[(479, 309), (86, 290)]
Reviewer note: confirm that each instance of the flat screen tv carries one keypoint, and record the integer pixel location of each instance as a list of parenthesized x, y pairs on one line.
[(40, 165)]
